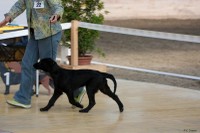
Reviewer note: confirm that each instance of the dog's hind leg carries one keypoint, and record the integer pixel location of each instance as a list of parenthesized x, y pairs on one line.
[(106, 90), (53, 99)]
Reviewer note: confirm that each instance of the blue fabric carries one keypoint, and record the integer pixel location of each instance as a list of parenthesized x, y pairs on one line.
[(35, 49)]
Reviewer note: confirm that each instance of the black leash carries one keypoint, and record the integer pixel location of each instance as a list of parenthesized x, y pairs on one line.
[(51, 40)]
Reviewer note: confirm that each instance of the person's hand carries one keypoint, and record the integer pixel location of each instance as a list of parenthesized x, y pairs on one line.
[(5, 21), (54, 19)]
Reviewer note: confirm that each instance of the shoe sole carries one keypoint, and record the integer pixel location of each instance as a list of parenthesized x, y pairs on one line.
[(19, 105)]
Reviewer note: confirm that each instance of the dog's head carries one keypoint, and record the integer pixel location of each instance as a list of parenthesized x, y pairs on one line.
[(46, 64)]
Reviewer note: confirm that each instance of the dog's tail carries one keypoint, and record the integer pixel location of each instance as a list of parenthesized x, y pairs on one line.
[(110, 76)]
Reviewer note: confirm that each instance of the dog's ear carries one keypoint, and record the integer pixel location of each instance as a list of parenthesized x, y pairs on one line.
[(45, 64), (48, 61), (51, 62), (48, 65)]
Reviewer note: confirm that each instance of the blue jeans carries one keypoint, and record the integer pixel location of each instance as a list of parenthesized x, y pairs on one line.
[(35, 49)]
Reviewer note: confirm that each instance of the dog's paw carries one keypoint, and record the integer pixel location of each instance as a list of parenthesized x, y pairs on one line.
[(43, 109), (79, 105), (121, 109), (83, 111)]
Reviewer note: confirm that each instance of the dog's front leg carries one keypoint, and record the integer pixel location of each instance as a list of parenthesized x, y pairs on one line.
[(53, 99), (72, 101)]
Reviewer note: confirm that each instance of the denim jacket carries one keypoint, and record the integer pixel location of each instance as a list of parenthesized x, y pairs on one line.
[(38, 19)]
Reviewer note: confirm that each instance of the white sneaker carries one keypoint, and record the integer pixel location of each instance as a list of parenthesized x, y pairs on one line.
[(17, 104)]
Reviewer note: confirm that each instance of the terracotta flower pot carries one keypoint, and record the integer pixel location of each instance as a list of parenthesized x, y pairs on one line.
[(82, 60)]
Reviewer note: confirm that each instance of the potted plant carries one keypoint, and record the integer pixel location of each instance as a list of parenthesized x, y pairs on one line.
[(91, 11)]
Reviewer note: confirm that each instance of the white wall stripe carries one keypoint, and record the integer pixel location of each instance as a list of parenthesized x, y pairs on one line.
[(142, 33), (148, 71)]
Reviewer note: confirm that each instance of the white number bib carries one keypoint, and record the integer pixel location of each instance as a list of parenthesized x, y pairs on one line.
[(38, 4)]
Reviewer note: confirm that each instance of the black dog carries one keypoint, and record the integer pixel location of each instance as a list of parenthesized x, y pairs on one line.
[(69, 80)]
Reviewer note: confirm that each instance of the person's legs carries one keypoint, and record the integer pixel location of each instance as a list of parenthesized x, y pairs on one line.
[(44, 48), (37, 49), (23, 95)]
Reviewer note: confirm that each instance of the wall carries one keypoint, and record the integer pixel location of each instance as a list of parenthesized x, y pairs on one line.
[(127, 9), (157, 9), (5, 5)]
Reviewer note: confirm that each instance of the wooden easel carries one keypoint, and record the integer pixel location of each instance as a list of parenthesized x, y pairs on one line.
[(74, 52)]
